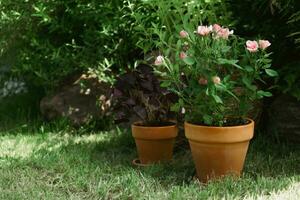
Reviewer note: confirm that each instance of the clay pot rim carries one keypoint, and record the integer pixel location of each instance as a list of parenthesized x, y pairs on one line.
[(221, 127), (156, 127), (154, 133)]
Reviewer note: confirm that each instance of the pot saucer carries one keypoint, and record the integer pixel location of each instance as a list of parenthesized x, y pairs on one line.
[(136, 162)]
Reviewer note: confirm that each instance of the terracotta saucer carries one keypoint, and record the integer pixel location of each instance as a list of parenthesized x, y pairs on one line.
[(136, 162)]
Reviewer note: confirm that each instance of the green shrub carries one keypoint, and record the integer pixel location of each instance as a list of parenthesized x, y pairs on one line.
[(138, 94), (44, 41)]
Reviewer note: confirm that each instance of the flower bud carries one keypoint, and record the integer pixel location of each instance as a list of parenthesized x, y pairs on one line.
[(183, 34), (202, 81), (182, 55), (216, 80), (159, 60)]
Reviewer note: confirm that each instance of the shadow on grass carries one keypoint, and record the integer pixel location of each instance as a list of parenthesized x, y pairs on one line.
[(107, 157), (269, 166)]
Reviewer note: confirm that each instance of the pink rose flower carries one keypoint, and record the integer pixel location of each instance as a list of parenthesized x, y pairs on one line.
[(159, 60), (182, 55), (263, 44), (202, 81), (224, 33), (252, 46), (216, 27), (183, 34), (216, 80), (204, 30)]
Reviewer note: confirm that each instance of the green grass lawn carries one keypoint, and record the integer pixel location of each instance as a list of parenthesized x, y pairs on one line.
[(45, 163)]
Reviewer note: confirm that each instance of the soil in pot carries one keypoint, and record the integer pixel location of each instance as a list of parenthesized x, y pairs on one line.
[(218, 151), (154, 144)]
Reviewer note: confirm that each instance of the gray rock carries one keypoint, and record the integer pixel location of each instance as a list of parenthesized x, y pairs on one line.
[(284, 118), (81, 101)]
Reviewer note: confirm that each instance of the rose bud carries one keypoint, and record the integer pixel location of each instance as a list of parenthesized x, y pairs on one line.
[(216, 80), (182, 55), (159, 60), (183, 34), (202, 81)]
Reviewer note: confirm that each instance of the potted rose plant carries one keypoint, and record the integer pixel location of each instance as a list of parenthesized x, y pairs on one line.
[(140, 100), (217, 77)]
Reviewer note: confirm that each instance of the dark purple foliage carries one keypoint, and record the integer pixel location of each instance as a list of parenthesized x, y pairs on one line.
[(137, 95)]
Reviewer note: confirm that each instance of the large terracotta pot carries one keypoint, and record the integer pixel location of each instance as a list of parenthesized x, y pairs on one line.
[(219, 151), (154, 144)]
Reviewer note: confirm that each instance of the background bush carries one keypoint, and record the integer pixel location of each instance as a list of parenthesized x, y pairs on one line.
[(44, 41), (278, 21)]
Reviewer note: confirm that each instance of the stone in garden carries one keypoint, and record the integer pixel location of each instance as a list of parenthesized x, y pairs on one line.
[(79, 101), (284, 118)]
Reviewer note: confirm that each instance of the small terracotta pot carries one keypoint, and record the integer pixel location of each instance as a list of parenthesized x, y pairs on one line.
[(154, 144), (219, 151)]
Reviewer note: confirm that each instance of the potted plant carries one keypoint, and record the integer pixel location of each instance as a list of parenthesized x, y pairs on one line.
[(217, 77), (144, 103)]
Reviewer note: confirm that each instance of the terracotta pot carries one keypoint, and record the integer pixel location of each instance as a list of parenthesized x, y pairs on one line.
[(219, 151), (154, 144)]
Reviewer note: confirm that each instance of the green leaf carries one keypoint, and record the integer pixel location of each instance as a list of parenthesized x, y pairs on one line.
[(226, 61), (38, 74), (267, 55), (207, 92), (175, 107), (249, 68), (261, 94), (222, 87), (271, 72), (267, 66), (179, 44), (225, 49), (207, 119), (189, 61), (217, 99), (165, 84), (223, 61), (180, 102), (248, 84)]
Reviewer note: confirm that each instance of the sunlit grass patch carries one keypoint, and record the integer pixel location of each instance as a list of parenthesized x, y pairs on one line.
[(53, 164)]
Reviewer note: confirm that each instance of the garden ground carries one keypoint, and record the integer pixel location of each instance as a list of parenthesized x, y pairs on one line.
[(50, 163)]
